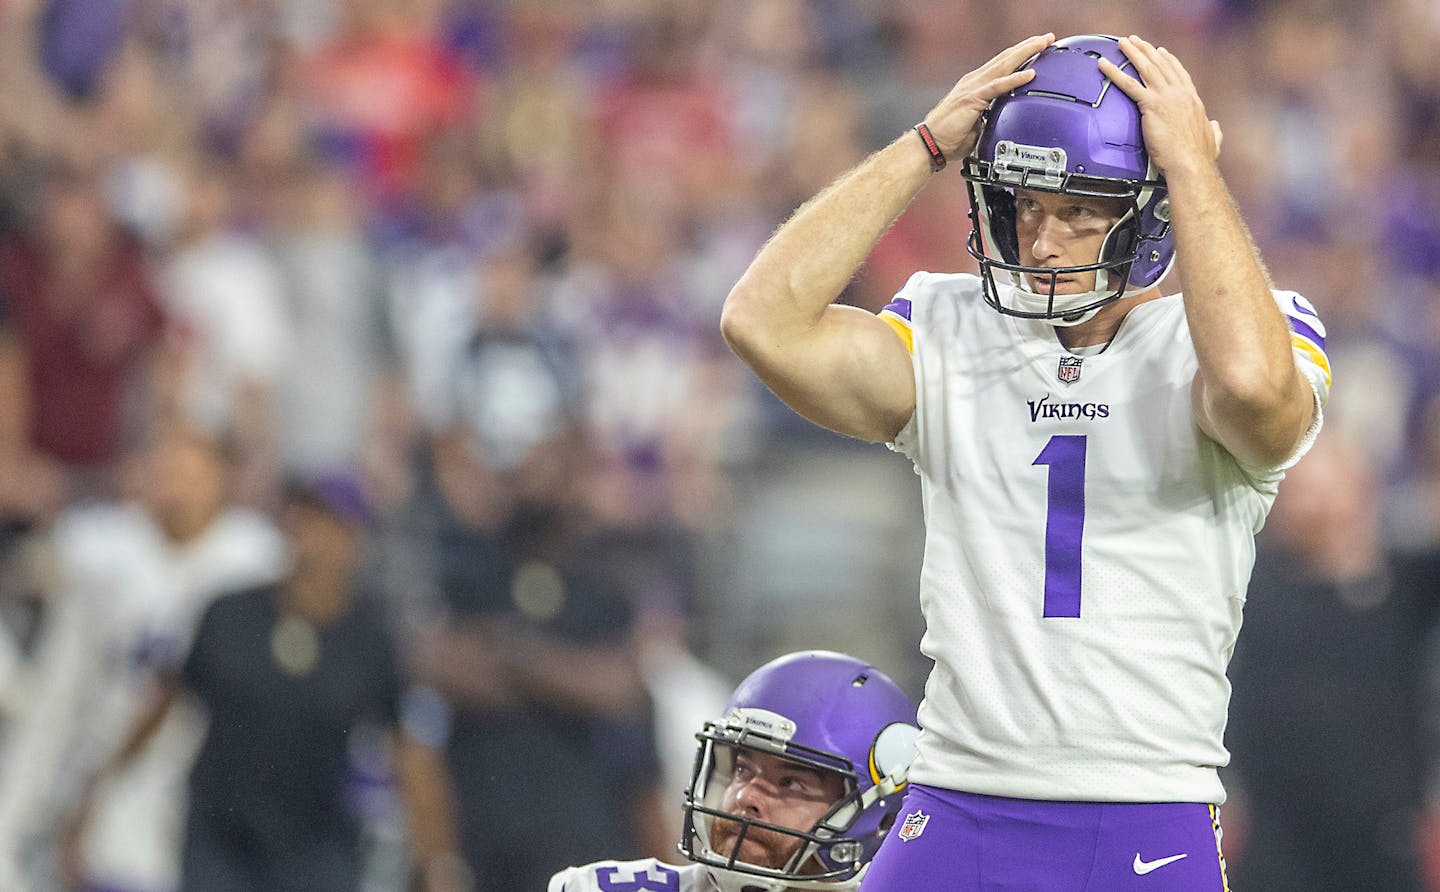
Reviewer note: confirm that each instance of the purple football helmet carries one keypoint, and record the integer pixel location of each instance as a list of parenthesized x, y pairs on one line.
[(1072, 132), (824, 711)]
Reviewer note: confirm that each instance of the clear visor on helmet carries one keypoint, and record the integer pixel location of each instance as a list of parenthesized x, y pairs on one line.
[(1031, 291), (820, 855)]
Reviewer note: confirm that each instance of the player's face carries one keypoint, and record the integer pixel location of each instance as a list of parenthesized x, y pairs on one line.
[(185, 484), (777, 791), (319, 540), (1063, 230)]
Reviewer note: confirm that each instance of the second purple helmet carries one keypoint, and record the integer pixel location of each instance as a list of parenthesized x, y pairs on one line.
[(825, 711), (1070, 131)]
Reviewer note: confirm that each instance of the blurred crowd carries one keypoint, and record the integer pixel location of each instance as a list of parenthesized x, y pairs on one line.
[(469, 255)]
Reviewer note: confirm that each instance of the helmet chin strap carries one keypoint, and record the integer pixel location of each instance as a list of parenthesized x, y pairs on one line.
[(1078, 318), (723, 880), (727, 881), (1033, 301)]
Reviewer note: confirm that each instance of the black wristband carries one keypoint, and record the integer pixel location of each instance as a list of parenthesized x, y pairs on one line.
[(937, 157)]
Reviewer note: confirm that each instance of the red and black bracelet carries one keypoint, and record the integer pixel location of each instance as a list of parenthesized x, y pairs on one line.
[(937, 157)]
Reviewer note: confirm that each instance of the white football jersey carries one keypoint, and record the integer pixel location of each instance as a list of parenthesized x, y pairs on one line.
[(126, 600), (1087, 550), (646, 875)]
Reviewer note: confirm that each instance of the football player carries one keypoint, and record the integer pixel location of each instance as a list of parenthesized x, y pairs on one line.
[(794, 786), (1095, 457)]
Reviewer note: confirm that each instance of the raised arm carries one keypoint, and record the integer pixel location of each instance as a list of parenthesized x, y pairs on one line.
[(1248, 395), (842, 367)]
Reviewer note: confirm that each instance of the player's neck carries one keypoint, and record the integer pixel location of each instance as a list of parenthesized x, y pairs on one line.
[(183, 528), (1102, 327)]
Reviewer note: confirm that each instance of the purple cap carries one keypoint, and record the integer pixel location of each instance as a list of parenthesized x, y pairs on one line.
[(341, 494)]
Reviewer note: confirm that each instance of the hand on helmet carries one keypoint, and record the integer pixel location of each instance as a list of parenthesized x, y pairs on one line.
[(1177, 132), (955, 121)]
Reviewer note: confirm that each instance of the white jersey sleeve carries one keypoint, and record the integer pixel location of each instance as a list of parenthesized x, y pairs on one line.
[(646, 875), (124, 600), (1087, 550)]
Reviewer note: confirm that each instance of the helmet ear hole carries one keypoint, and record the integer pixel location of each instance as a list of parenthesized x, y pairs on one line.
[(1120, 245), (1120, 242), (1155, 248)]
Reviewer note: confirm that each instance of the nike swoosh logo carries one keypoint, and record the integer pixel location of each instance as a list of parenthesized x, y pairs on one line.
[(1144, 867)]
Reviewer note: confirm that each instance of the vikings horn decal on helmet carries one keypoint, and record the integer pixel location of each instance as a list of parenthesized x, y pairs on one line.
[(824, 711), (1068, 131)]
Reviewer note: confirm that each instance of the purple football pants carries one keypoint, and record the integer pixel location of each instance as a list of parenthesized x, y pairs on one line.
[(947, 841)]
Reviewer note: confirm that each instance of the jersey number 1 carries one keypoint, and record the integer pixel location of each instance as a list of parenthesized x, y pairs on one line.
[(1064, 522)]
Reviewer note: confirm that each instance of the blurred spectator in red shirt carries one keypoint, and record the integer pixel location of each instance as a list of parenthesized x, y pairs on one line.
[(88, 326), (381, 89)]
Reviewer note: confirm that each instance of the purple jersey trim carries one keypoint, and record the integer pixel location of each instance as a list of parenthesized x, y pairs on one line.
[(900, 306), (1305, 331)]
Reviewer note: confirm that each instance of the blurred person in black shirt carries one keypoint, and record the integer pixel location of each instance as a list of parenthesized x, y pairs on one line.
[(1325, 714), (286, 675), (552, 745)]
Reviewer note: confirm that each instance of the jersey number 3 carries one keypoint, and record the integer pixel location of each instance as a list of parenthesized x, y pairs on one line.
[(642, 881), (1064, 522)]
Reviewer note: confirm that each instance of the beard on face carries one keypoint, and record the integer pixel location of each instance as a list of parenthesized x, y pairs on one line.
[(761, 847)]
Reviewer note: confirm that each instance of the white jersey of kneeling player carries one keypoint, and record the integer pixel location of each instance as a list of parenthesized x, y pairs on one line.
[(645, 875)]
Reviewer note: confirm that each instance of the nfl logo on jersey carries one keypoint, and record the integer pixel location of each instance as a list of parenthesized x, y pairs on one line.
[(1069, 371), (914, 826)]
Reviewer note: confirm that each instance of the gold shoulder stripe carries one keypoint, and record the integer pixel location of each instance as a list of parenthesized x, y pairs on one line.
[(1317, 356), (902, 328)]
